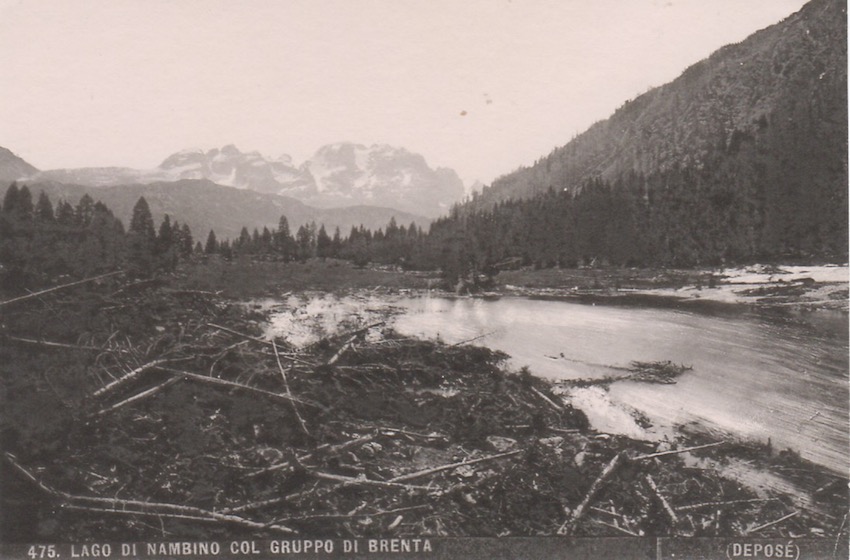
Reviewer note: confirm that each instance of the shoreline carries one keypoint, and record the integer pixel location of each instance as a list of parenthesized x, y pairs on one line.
[(364, 420), (756, 286)]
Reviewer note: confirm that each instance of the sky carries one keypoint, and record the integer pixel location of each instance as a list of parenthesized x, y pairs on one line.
[(480, 86)]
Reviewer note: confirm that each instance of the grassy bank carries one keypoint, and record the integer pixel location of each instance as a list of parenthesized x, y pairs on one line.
[(248, 278)]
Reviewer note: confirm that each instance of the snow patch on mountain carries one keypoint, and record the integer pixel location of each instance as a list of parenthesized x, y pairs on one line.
[(340, 174)]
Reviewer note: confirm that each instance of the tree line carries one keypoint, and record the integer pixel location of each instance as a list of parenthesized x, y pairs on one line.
[(395, 244), (40, 242), (682, 216)]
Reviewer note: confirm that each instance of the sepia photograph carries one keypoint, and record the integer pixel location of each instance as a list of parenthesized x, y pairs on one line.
[(424, 279)]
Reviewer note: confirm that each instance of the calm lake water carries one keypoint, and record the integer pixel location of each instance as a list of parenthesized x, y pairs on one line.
[(754, 376)]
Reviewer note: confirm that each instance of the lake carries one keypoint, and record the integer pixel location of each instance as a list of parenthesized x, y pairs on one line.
[(755, 375)]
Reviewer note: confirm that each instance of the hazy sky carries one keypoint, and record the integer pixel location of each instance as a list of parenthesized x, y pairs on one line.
[(481, 86)]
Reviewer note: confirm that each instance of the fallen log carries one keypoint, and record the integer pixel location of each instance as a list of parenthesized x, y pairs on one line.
[(473, 339), (671, 515), (139, 396), (772, 523), (567, 527), (109, 387), (51, 344), (617, 527), (261, 341), (426, 472), (233, 385), (62, 287), (693, 507), (351, 337), (362, 481), (676, 451), (330, 448), (607, 512), (354, 333), (115, 505), (140, 513), (547, 400), (288, 392), (332, 516), (341, 351)]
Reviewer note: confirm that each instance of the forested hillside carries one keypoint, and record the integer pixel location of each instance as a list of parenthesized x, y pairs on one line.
[(743, 156)]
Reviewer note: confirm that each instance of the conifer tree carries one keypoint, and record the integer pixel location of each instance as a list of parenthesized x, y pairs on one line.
[(212, 244), (10, 200), (166, 250), (186, 242), (323, 243), (85, 210), (141, 241), (65, 213), (44, 209), (336, 244)]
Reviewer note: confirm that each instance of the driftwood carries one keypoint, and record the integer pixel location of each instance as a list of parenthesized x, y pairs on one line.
[(62, 287), (671, 515), (193, 292), (613, 526), (233, 385), (607, 512), (139, 396), (288, 392), (354, 515), (563, 431), (838, 536), (141, 513), (473, 339), (568, 525), (243, 335), (676, 451), (341, 351), (350, 336), (109, 387), (356, 332), (51, 344), (547, 400), (288, 356), (702, 505), (426, 472), (139, 507), (392, 431), (772, 523), (348, 480), (308, 456), (262, 503), (134, 285)]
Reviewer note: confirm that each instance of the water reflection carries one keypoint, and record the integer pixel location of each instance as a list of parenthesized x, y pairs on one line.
[(784, 378)]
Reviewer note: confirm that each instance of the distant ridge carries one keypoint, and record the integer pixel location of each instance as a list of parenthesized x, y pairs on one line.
[(204, 206), (341, 174)]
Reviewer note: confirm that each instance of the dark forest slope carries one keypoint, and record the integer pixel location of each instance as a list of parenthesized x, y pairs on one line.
[(751, 143), (782, 89)]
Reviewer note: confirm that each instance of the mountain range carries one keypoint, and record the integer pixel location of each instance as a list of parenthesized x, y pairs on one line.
[(743, 156), (338, 175)]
